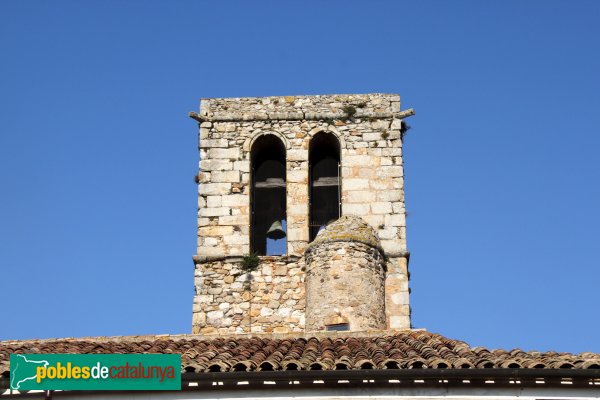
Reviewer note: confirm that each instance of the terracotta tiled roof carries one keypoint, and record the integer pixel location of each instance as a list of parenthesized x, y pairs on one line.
[(401, 350)]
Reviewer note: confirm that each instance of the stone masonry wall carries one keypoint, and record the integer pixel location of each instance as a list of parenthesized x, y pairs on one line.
[(372, 181), (345, 283), (268, 299)]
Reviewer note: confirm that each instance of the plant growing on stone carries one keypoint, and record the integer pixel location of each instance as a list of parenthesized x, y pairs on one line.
[(250, 262), (349, 110), (362, 104), (385, 135)]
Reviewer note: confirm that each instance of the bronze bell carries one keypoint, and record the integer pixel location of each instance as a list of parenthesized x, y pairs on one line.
[(276, 231)]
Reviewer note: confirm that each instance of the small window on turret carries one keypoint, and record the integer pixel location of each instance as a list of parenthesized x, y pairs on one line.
[(338, 327)]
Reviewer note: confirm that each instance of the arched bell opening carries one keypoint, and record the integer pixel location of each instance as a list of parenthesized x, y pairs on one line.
[(268, 202), (325, 182)]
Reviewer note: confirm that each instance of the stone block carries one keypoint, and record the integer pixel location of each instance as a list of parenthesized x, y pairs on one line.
[(198, 318), (398, 208), (399, 322), (396, 152), (245, 178), (369, 136), (296, 248), (228, 154), (386, 161), (203, 177), (396, 124), (390, 195), (297, 155), (393, 246), (208, 143), (294, 220), (210, 242), (236, 239), (266, 312), (213, 201), (281, 270), (298, 176), (360, 161), (204, 298), (215, 165), (204, 134), (295, 208), (381, 207), (236, 200), (214, 188), (368, 173), (355, 209), (398, 183), (240, 219), (214, 315), (209, 251), (203, 221), (360, 196), (215, 212), (390, 171), (215, 230), (297, 234), (399, 298), (284, 311), (225, 176), (375, 220), (381, 184), (395, 220), (242, 166), (402, 233), (298, 192), (355, 184), (388, 233)]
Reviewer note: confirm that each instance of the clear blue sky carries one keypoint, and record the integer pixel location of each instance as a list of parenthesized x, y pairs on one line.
[(97, 155)]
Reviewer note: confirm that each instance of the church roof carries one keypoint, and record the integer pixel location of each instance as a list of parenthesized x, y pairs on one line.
[(402, 350)]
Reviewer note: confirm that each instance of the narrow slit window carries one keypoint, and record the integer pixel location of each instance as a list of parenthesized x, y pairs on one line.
[(268, 204), (325, 182)]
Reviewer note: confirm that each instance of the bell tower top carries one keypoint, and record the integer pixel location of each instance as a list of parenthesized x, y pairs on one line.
[(274, 172)]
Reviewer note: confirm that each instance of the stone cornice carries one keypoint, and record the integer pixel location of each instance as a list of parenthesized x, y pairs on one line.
[(233, 258), (297, 116)]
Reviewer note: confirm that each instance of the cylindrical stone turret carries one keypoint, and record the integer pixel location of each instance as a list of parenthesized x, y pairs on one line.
[(345, 278)]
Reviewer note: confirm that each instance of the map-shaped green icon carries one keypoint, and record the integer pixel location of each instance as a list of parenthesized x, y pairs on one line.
[(23, 369)]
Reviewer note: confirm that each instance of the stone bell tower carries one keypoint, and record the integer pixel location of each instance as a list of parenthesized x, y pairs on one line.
[(301, 217)]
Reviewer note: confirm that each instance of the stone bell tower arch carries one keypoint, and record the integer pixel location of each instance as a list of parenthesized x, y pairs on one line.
[(275, 173)]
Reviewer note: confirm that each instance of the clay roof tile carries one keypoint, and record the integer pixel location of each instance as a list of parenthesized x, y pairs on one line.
[(410, 349)]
